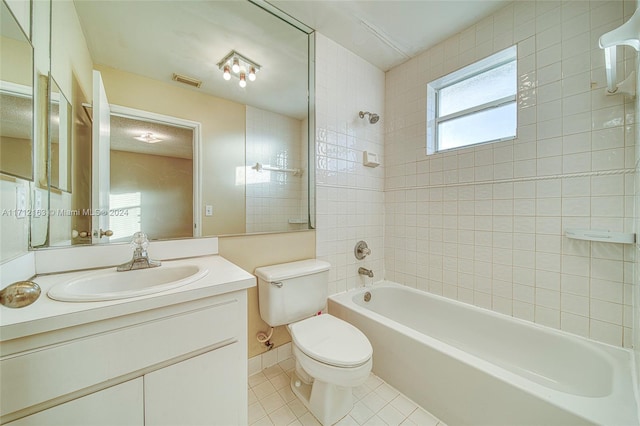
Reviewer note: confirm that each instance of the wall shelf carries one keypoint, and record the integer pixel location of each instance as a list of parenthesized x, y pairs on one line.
[(298, 221), (601, 236)]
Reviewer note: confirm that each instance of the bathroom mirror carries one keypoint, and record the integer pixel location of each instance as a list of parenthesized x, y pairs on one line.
[(252, 151), (39, 195), (60, 157), (16, 99), (151, 179), (17, 148)]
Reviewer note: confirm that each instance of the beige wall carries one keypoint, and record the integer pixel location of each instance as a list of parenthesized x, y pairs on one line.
[(15, 156), (15, 66), (252, 251), (69, 53), (223, 139), (165, 185)]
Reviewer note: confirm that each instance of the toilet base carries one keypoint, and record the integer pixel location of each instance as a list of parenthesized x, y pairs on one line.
[(327, 402)]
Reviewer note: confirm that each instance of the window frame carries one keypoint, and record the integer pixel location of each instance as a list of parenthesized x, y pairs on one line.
[(482, 66)]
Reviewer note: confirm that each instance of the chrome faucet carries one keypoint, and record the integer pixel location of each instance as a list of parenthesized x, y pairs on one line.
[(140, 259), (361, 250), (365, 271)]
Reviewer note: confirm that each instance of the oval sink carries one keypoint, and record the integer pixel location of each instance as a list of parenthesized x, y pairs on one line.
[(111, 285)]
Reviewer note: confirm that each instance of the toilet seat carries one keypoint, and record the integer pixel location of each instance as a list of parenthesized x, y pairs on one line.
[(331, 341)]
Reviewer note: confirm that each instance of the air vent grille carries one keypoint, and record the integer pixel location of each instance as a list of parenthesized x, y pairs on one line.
[(187, 80)]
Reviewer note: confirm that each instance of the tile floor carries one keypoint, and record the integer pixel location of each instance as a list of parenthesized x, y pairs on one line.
[(271, 402)]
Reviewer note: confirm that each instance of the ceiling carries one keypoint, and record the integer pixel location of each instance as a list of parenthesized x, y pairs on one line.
[(17, 112), (389, 32), (174, 141), (158, 38), (189, 37)]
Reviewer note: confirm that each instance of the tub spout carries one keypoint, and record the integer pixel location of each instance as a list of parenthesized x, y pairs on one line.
[(365, 271)]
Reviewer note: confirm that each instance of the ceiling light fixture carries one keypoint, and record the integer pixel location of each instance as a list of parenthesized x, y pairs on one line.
[(239, 66), (148, 138)]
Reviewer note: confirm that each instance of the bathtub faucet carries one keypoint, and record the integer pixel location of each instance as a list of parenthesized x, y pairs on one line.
[(365, 271)]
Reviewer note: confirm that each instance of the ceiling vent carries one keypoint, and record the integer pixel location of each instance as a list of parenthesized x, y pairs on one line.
[(186, 80)]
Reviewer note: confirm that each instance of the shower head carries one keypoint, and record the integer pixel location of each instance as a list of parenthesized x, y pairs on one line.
[(373, 117)]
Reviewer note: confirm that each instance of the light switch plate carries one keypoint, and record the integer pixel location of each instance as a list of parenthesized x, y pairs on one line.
[(21, 202)]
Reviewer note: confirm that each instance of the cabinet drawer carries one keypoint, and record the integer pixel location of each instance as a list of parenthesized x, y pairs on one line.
[(203, 390), (39, 376), (118, 405)]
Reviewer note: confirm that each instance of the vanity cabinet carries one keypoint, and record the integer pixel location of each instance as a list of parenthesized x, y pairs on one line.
[(199, 391), (182, 364), (96, 409)]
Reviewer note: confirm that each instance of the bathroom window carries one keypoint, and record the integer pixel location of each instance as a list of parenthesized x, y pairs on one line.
[(473, 105)]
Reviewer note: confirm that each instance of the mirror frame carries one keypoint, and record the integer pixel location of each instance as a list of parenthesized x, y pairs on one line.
[(58, 93)]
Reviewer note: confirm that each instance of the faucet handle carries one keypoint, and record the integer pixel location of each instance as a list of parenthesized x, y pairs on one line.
[(361, 250), (140, 240)]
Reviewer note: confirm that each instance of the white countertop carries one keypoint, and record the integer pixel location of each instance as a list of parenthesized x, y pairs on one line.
[(46, 314)]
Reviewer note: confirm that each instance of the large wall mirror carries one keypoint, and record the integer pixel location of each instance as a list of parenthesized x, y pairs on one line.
[(16, 98), (17, 148), (189, 152)]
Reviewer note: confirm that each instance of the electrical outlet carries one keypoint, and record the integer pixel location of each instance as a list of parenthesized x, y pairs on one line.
[(208, 210)]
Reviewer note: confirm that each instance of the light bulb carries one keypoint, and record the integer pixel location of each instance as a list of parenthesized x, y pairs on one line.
[(226, 74), (243, 80), (236, 65), (148, 138), (252, 74)]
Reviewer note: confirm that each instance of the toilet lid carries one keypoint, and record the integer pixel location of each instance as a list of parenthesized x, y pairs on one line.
[(331, 340)]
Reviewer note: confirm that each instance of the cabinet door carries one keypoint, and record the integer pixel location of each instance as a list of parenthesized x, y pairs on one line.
[(118, 405), (205, 390)]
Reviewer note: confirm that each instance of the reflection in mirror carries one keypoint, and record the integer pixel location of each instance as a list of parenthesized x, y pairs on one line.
[(16, 149), (59, 163), (16, 134), (60, 116), (151, 179), (81, 175), (264, 122), (276, 172), (16, 99), (39, 191)]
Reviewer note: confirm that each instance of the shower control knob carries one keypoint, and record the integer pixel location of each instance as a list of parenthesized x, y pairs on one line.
[(361, 250)]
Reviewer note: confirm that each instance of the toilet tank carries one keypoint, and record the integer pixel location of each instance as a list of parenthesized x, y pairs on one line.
[(289, 292)]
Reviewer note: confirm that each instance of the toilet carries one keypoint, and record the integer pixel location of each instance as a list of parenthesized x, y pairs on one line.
[(332, 356)]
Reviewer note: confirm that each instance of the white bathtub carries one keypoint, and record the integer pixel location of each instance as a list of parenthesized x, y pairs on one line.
[(472, 366)]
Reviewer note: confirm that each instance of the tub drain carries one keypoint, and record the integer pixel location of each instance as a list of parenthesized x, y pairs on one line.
[(367, 296)]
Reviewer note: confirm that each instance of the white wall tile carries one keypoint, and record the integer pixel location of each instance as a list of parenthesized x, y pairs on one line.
[(350, 199), (504, 248)]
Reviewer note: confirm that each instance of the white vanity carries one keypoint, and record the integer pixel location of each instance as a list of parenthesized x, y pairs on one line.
[(176, 357)]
